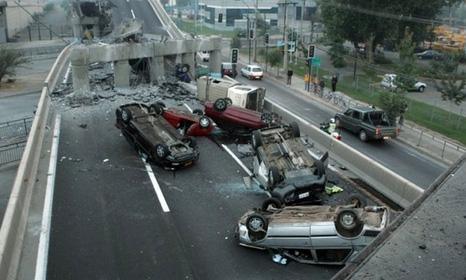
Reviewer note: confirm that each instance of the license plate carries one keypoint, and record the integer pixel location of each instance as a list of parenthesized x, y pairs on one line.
[(303, 195), (386, 137)]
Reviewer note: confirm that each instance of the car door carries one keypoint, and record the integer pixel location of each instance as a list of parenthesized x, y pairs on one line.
[(346, 118), (356, 121)]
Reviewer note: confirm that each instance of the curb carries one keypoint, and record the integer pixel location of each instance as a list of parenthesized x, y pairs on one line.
[(11, 94)]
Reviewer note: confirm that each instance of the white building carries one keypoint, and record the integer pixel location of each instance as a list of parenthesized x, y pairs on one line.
[(13, 18)]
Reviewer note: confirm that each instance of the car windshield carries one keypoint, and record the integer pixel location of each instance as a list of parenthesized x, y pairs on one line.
[(256, 69)]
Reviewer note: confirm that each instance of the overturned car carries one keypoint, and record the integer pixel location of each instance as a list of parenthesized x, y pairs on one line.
[(285, 167), (329, 235), (153, 137)]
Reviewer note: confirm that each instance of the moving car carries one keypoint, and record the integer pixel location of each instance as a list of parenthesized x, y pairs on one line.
[(284, 166), (388, 82), (228, 69), (252, 72), (429, 54), (153, 137), (330, 235), (367, 122), (235, 119)]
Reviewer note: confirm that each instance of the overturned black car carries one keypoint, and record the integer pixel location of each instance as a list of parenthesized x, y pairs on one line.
[(154, 138)]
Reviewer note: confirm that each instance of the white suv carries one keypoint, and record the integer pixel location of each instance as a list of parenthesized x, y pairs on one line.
[(252, 72)]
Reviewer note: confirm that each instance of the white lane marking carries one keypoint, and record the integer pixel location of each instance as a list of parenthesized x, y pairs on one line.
[(132, 13), (187, 106), (289, 112), (67, 74), (238, 161), (158, 190), (43, 249)]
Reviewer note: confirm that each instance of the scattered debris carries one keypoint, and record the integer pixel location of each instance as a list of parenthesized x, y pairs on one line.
[(277, 258), (423, 246), (83, 125), (105, 160), (331, 189)]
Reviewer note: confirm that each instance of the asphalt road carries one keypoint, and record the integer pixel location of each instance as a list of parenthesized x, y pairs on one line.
[(107, 221), (393, 154), (18, 106)]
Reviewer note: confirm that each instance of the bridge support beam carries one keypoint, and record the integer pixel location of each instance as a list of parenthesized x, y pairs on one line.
[(122, 71), (157, 69), (80, 68)]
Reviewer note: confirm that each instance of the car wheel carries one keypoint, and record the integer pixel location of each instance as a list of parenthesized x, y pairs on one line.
[(337, 123), (126, 115), (192, 142), (421, 89), (320, 168), (198, 112), (204, 122), (295, 129), (220, 105), (256, 139), (156, 108), (185, 68), (357, 201), (161, 150), (274, 176), (257, 226), (228, 100), (271, 204), (266, 118), (348, 223), (363, 135)]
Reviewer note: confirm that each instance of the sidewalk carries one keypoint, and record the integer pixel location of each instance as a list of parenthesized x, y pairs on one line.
[(427, 141)]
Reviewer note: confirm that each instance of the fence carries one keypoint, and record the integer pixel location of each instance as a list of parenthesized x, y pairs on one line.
[(11, 153), (16, 129)]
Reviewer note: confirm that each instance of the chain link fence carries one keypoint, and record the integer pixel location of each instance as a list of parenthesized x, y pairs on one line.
[(13, 137)]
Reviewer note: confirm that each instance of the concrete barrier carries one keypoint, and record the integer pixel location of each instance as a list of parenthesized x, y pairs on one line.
[(396, 188), (165, 19), (17, 211)]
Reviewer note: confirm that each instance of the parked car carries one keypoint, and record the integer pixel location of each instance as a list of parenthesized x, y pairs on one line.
[(284, 166), (367, 122), (430, 54), (235, 119), (204, 55), (388, 81), (252, 72), (330, 235), (153, 137), (190, 124), (228, 69)]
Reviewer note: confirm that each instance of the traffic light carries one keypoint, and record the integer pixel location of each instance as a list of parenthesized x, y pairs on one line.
[(310, 51), (251, 34), (234, 55), (266, 38)]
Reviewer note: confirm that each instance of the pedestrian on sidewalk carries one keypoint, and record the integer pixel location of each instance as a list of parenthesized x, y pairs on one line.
[(306, 81), (322, 87), (289, 74), (334, 82)]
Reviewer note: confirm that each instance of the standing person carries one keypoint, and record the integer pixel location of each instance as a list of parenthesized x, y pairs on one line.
[(334, 82), (322, 86), (289, 74), (306, 81)]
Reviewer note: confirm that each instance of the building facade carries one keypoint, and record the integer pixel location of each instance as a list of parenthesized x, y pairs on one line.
[(13, 18)]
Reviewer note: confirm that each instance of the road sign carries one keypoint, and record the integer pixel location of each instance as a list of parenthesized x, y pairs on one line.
[(315, 61), (234, 55), (310, 51)]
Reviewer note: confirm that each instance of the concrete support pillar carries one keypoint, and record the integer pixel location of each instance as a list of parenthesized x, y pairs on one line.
[(157, 69), (79, 67), (188, 58), (122, 70), (215, 61)]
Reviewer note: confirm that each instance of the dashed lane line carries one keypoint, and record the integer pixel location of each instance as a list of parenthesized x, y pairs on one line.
[(158, 190)]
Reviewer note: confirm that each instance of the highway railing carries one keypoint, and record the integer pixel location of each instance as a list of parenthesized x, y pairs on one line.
[(15, 218), (386, 182)]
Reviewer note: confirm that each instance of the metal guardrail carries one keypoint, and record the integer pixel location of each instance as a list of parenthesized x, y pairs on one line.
[(11, 153), (15, 218), (15, 129)]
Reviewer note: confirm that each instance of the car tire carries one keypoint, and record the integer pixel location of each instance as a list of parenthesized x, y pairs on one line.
[(228, 100), (204, 122), (363, 135), (271, 202), (320, 168), (256, 139), (156, 108), (295, 129), (126, 115), (273, 176), (220, 105), (161, 151), (198, 112), (192, 142), (337, 122), (347, 223), (266, 118), (257, 226), (185, 68), (358, 201), (421, 88)]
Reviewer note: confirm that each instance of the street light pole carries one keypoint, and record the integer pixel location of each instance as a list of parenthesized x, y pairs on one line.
[(255, 33), (285, 38)]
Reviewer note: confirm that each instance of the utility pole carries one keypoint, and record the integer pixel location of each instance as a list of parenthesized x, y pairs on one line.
[(255, 32), (301, 23), (285, 38)]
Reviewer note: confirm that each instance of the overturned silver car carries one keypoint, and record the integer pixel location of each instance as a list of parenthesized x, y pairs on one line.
[(313, 234)]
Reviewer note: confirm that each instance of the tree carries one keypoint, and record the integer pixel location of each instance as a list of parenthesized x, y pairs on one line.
[(337, 52), (235, 42), (450, 82), (275, 58), (10, 59), (394, 104), (406, 69), (362, 21)]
